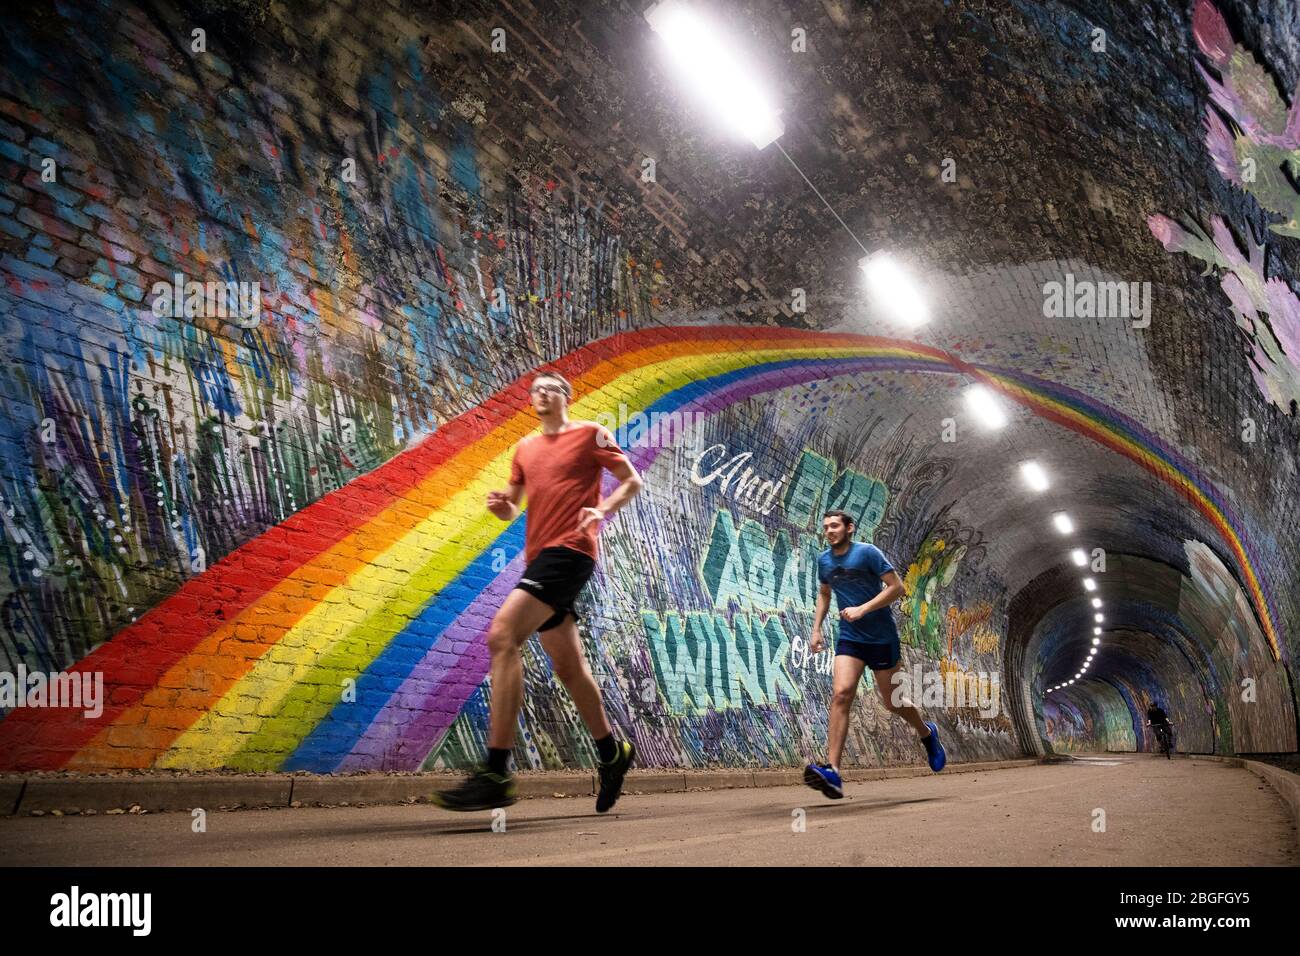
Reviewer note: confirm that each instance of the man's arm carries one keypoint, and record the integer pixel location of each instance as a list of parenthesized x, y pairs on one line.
[(630, 485), (892, 591), (823, 605), (505, 504)]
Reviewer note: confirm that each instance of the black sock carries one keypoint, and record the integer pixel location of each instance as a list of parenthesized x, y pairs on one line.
[(498, 761), (606, 749)]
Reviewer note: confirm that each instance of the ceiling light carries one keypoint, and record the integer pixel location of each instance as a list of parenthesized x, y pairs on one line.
[(893, 290), (1034, 476), (717, 76), (981, 403)]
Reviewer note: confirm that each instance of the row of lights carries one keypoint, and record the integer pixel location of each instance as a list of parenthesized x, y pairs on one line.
[(1079, 557), (982, 404), (718, 77)]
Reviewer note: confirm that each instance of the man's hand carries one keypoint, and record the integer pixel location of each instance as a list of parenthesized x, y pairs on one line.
[(853, 613), (588, 515), (498, 502), (817, 644)]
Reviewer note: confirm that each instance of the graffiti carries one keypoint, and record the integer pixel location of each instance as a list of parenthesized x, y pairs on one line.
[(750, 490), (931, 571), (1254, 155), (983, 638), (1265, 136), (1274, 346), (816, 488), (1213, 599), (144, 441), (744, 565), (707, 663)]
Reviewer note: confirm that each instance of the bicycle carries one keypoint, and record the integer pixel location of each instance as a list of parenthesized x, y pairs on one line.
[(1165, 737)]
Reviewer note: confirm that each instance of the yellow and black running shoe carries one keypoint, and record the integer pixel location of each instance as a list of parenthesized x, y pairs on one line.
[(612, 774), (483, 791)]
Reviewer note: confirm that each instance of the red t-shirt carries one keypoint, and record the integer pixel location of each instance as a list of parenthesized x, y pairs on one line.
[(561, 476)]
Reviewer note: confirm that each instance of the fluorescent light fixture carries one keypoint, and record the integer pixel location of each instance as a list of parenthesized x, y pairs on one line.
[(1062, 522), (1034, 476), (1078, 557), (1096, 602), (1089, 584), (981, 403), (703, 58), (893, 290)]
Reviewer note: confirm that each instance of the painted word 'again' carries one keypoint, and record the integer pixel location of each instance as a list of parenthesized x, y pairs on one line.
[(742, 565)]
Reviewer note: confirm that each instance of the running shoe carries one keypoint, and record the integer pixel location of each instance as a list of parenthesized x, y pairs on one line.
[(823, 777), (934, 749), (483, 791), (612, 774)]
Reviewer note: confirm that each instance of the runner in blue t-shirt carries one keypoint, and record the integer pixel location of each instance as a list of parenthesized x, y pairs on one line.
[(865, 584)]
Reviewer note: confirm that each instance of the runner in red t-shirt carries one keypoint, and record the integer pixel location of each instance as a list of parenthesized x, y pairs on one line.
[(559, 471)]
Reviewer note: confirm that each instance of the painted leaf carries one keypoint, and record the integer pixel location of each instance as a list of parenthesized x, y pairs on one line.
[(1212, 33), (1254, 87)]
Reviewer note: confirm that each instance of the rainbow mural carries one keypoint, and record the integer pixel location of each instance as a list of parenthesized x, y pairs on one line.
[(349, 636)]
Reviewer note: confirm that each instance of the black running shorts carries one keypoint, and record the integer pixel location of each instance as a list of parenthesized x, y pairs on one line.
[(879, 657), (556, 577)]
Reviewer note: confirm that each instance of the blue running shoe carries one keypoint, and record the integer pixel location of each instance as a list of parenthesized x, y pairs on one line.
[(824, 778), (938, 758)]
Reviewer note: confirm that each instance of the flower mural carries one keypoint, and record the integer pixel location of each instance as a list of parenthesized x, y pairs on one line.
[(934, 568), (1253, 140)]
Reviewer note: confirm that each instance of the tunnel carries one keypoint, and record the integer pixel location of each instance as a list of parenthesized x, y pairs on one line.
[(1013, 284)]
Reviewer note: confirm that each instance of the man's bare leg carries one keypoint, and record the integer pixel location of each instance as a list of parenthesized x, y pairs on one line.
[(519, 616), (564, 647), (570, 664), (903, 707), (846, 673)]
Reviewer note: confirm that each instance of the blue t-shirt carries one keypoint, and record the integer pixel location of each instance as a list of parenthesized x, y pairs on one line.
[(854, 578)]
